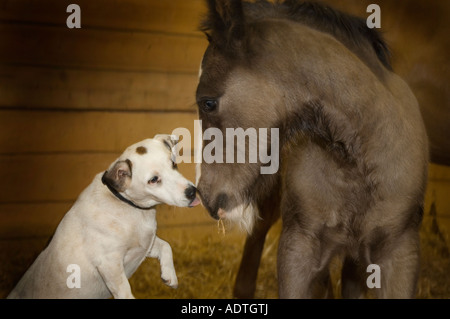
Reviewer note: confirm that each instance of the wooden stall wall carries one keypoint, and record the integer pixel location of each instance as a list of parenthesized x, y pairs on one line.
[(71, 100)]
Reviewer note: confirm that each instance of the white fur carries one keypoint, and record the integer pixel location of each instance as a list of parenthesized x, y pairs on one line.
[(198, 172), (242, 215), (199, 138), (200, 69), (198, 154), (107, 238)]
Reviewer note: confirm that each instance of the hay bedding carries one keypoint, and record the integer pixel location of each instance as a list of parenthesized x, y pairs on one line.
[(207, 263)]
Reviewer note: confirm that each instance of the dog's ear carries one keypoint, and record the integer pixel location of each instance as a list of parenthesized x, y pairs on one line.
[(119, 176), (169, 140)]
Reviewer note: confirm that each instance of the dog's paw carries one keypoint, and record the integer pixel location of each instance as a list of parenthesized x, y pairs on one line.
[(170, 278)]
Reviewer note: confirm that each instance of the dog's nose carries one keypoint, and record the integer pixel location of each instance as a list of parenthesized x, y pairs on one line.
[(190, 192)]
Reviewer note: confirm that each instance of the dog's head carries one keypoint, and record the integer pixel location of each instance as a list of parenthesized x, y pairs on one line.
[(146, 174)]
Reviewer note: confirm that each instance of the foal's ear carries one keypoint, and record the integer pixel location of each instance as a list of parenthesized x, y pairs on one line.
[(118, 176), (225, 22)]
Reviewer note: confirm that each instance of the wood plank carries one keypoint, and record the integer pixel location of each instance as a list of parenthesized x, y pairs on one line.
[(439, 173), (174, 16), (99, 49), (61, 177), (41, 219), (43, 178), (55, 177), (31, 220), (37, 87), (43, 132)]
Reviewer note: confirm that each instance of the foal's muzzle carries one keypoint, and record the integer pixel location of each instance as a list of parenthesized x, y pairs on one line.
[(213, 206)]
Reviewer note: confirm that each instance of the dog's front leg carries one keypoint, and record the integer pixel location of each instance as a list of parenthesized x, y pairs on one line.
[(113, 275), (162, 250)]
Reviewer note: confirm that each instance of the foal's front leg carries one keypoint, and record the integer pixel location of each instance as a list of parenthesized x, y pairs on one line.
[(245, 284), (162, 250), (302, 265), (398, 260)]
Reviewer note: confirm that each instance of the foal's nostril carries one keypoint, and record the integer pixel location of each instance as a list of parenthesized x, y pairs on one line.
[(190, 192)]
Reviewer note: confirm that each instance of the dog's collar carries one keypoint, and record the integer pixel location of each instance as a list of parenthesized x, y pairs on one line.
[(119, 196)]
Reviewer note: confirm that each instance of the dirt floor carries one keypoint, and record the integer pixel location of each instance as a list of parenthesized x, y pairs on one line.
[(207, 263)]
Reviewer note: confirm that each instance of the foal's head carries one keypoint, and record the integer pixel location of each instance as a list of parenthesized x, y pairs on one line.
[(264, 61)]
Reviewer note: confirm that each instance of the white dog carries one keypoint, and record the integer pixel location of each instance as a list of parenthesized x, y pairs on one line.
[(111, 228)]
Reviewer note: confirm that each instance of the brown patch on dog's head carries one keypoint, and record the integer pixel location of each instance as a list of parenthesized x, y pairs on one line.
[(141, 150)]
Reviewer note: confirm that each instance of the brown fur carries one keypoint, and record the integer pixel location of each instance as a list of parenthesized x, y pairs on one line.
[(354, 148), (119, 176), (141, 150)]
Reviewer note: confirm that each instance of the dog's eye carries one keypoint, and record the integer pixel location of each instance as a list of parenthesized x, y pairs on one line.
[(174, 165), (153, 180), (208, 104)]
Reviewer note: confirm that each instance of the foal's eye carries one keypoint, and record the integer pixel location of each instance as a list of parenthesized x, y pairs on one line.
[(153, 180), (208, 105)]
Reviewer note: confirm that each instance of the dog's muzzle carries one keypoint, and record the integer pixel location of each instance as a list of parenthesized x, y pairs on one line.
[(190, 192)]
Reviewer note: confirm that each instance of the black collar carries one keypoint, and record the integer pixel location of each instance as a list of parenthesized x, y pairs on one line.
[(123, 199)]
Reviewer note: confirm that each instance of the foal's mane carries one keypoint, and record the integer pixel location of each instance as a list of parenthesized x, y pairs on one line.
[(350, 30), (341, 25)]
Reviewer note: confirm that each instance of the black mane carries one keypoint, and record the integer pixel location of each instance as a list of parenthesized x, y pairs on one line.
[(352, 31), (344, 26)]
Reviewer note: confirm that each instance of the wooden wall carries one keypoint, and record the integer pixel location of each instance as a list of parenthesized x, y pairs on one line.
[(71, 100)]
